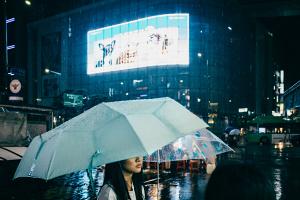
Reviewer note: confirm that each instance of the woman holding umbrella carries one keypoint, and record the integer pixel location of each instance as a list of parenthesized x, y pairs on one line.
[(123, 180)]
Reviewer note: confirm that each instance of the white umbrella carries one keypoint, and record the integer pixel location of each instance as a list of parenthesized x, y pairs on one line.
[(234, 132), (107, 133)]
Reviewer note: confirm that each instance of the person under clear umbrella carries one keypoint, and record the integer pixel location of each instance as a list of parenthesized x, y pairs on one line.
[(123, 180), (237, 181)]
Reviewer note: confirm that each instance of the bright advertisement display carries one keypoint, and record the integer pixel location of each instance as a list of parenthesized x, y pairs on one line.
[(151, 41)]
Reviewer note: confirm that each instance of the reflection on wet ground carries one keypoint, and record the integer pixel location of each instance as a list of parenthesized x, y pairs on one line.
[(282, 166), (182, 186)]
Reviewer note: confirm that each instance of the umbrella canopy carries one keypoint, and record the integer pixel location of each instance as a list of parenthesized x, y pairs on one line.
[(201, 145), (228, 129), (107, 133), (235, 132)]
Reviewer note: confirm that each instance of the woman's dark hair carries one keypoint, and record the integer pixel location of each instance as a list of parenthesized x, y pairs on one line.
[(113, 176), (237, 181)]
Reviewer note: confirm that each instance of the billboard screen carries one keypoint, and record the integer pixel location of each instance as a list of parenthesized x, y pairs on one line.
[(151, 41)]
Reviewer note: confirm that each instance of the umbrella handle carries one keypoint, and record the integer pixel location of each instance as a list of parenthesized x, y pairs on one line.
[(158, 161), (89, 171), (90, 175)]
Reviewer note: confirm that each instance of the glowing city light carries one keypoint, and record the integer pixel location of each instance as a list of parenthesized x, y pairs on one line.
[(151, 41), (28, 3)]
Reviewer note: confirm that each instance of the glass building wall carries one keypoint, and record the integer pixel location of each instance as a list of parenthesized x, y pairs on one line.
[(218, 80)]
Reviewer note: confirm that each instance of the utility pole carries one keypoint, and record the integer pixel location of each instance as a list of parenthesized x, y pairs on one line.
[(4, 70), (5, 41)]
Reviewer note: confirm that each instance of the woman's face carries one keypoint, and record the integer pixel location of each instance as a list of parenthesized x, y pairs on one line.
[(133, 165)]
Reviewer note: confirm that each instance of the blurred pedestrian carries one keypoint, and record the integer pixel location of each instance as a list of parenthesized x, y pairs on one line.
[(239, 181), (123, 180)]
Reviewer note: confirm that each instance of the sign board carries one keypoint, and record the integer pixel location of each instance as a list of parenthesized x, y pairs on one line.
[(72, 100)]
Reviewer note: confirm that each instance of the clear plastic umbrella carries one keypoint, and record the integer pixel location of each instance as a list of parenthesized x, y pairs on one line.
[(203, 144)]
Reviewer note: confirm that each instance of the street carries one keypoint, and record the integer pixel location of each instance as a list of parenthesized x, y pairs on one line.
[(282, 166)]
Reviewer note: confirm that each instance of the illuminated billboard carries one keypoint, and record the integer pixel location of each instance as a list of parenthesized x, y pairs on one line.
[(151, 41)]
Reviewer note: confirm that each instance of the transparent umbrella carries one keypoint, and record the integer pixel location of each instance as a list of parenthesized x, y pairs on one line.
[(203, 144)]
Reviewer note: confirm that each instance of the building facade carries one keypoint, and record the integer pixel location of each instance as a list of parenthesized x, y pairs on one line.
[(216, 79)]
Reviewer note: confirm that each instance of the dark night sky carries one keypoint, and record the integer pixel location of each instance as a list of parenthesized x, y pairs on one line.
[(286, 46)]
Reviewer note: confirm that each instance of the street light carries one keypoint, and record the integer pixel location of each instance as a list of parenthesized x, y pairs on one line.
[(28, 3), (48, 71)]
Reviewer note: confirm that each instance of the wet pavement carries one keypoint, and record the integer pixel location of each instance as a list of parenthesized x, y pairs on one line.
[(281, 166)]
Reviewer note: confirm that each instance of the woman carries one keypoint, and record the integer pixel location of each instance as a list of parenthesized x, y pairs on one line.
[(123, 180)]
